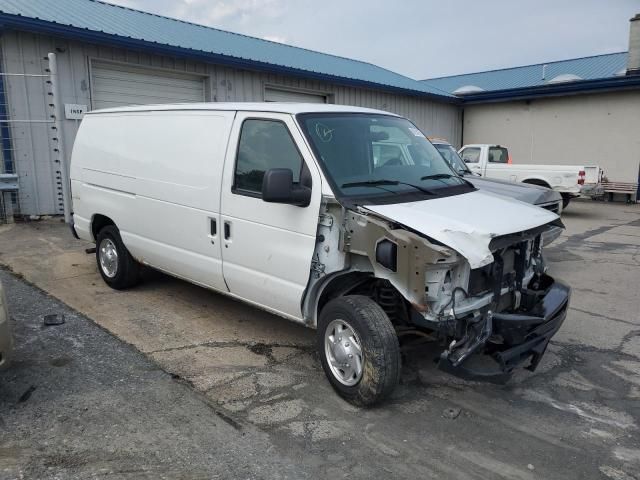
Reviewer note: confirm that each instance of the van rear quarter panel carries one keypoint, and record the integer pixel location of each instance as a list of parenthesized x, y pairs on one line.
[(157, 175)]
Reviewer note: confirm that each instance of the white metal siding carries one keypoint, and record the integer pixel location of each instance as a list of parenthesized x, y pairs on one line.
[(114, 85), (24, 52), (31, 143)]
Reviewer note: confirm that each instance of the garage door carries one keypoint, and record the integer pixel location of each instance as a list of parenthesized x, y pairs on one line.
[(115, 85), (283, 95)]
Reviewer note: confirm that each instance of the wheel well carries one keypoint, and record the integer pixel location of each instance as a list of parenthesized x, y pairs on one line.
[(535, 181), (98, 223), (379, 290), (342, 285)]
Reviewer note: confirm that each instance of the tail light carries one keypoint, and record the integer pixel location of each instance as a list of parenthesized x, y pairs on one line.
[(581, 176)]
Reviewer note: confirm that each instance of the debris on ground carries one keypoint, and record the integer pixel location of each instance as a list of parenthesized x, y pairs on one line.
[(27, 394), (53, 319), (451, 413)]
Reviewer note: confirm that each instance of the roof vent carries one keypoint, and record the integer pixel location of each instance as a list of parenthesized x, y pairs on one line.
[(467, 89), (565, 77)]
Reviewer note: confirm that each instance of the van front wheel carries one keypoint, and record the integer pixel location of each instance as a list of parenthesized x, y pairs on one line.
[(359, 349), (116, 265)]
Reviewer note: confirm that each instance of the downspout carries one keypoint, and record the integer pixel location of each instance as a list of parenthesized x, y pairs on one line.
[(58, 126)]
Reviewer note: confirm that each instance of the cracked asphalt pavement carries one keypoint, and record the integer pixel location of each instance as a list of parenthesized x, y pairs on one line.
[(79, 403), (180, 380)]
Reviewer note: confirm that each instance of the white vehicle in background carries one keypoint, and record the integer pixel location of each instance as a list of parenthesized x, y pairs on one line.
[(296, 209), (494, 161), (534, 194)]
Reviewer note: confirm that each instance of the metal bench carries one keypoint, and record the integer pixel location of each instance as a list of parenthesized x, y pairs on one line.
[(623, 188)]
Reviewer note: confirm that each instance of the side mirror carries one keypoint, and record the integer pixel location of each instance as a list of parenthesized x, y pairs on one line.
[(278, 187)]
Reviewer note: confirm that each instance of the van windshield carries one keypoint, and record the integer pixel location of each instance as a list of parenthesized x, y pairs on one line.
[(368, 156)]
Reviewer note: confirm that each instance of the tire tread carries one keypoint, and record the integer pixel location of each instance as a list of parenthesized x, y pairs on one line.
[(380, 345), (128, 274)]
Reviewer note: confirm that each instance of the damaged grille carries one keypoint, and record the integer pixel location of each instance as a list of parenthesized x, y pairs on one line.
[(500, 273), (507, 270)]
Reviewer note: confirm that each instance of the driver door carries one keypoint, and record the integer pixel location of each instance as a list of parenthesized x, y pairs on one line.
[(267, 247)]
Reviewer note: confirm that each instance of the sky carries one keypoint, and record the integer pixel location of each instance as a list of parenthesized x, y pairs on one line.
[(422, 38)]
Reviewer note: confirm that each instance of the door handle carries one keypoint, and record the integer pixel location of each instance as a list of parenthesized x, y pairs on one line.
[(227, 230), (213, 230)]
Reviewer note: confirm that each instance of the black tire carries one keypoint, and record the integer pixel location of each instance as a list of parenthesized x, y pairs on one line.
[(565, 201), (127, 271), (379, 345)]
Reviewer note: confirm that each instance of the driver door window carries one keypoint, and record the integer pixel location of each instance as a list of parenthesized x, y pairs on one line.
[(471, 155), (264, 144)]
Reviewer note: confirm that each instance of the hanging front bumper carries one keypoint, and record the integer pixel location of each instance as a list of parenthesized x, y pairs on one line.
[(511, 340)]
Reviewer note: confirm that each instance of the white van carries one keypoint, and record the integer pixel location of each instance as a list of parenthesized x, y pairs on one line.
[(293, 209)]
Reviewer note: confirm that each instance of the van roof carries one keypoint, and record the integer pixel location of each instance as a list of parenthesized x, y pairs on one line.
[(276, 107)]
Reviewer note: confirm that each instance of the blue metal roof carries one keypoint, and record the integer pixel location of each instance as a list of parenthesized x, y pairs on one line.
[(92, 20), (587, 68)]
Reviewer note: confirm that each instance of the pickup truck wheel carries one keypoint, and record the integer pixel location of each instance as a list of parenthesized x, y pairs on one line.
[(358, 349), (565, 201), (116, 265)]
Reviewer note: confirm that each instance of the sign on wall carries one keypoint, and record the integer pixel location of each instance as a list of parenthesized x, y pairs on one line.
[(73, 111)]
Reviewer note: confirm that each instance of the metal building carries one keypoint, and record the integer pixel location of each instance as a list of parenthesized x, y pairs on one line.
[(584, 111), (109, 55)]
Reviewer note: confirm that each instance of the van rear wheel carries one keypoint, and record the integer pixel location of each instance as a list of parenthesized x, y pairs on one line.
[(358, 349), (117, 267)]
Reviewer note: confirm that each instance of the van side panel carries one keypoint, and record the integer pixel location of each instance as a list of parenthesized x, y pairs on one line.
[(157, 175)]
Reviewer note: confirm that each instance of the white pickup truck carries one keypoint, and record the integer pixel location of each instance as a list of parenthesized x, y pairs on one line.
[(494, 161)]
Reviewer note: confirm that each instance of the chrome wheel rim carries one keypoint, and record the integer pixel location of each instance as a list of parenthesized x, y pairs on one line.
[(343, 351), (108, 255)]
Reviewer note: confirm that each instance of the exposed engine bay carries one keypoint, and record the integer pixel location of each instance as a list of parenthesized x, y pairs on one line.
[(504, 306)]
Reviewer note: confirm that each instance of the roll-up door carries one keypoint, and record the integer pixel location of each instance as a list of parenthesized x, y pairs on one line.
[(115, 85), (282, 95)]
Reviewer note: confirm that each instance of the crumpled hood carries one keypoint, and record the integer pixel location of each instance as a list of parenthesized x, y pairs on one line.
[(524, 192), (468, 222)]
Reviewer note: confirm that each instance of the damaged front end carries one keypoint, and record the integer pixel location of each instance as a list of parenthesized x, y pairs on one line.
[(506, 314), (525, 311), (492, 314)]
